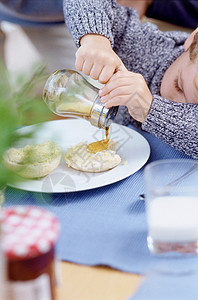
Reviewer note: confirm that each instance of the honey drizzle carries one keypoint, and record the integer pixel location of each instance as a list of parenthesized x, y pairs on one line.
[(99, 145)]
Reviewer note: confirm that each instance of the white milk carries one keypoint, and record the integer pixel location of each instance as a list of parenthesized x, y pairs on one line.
[(173, 219)]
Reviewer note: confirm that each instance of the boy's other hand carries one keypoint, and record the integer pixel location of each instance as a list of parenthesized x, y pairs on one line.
[(128, 89), (96, 58)]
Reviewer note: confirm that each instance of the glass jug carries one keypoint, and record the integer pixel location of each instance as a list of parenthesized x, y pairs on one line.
[(67, 93)]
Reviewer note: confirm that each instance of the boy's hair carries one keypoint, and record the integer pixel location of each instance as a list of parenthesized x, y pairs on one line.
[(193, 49)]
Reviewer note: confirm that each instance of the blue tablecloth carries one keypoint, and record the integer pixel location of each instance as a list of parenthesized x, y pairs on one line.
[(103, 226), (166, 286)]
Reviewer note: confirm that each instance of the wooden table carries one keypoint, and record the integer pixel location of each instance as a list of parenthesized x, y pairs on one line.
[(79, 282)]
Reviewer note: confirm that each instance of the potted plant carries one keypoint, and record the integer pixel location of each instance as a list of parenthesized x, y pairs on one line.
[(20, 104)]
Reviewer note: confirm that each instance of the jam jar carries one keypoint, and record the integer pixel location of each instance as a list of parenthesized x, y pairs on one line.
[(2, 271), (29, 235)]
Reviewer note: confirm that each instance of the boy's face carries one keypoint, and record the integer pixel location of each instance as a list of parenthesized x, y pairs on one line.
[(180, 81)]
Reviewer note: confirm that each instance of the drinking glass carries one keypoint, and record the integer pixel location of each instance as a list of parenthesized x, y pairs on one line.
[(171, 188)]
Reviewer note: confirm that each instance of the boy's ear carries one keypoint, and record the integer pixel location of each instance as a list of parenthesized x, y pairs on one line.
[(189, 40)]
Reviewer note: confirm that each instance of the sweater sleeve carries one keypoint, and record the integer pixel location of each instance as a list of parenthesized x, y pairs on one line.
[(179, 12), (174, 123), (88, 16), (105, 17)]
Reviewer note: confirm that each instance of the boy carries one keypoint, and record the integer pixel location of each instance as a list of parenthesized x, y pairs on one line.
[(161, 88)]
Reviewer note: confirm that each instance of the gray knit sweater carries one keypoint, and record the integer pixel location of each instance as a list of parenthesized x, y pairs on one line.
[(144, 49)]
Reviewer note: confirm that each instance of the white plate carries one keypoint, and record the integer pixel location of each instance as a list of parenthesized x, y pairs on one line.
[(134, 150)]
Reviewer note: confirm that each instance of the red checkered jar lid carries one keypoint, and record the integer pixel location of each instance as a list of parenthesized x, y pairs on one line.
[(28, 231)]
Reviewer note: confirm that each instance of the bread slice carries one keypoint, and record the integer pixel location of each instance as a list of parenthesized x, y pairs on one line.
[(80, 159), (33, 161)]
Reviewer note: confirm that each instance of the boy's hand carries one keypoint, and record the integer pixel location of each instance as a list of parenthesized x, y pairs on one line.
[(128, 89), (96, 58)]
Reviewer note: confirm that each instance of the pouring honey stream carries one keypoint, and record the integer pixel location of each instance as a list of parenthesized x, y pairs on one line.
[(99, 145)]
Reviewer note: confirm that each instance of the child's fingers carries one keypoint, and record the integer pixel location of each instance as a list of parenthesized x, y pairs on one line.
[(79, 63), (122, 68), (121, 74), (106, 73), (116, 101), (119, 92), (124, 100), (96, 71), (118, 96), (114, 84), (87, 66), (79, 60)]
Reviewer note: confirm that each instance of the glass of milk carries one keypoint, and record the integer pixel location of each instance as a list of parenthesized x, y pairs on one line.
[(171, 188)]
